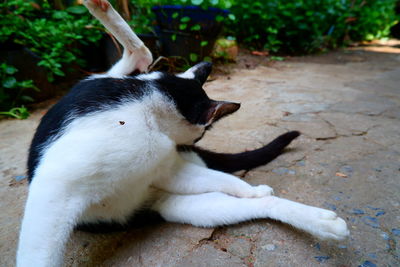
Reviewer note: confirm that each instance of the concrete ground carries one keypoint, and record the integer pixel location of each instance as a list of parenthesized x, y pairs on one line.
[(346, 104)]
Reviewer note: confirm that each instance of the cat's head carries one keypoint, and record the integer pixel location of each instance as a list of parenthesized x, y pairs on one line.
[(198, 112)]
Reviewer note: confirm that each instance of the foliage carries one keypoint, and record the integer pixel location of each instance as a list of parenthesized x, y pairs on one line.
[(304, 26), (12, 92), (52, 34), (224, 4)]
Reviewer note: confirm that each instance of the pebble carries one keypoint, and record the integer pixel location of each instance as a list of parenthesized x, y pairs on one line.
[(385, 236), (337, 198), (269, 247), (372, 255), (396, 231), (283, 171), (379, 213), (347, 170), (367, 264), (301, 163), (373, 208), (357, 212), (322, 258), (342, 246), (330, 206), (373, 222), (19, 178)]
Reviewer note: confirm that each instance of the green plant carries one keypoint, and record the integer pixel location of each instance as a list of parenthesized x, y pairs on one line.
[(12, 92), (17, 112), (52, 34), (304, 26), (225, 4)]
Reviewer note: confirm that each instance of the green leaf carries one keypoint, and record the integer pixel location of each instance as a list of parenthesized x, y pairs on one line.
[(219, 18), (185, 19), (196, 27), (18, 113), (26, 84), (78, 10), (197, 2), (231, 17), (60, 14), (27, 98), (175, 15), (275, 58), (9, 82), (207, 59), (10, 69), (173, 37), (203, 43), (193, 57), (182, 26)]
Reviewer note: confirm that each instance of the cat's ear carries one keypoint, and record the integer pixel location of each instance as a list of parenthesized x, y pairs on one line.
[(198, 72), (217, 110)]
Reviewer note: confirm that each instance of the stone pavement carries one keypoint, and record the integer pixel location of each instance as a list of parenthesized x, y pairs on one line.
[(346, 104)]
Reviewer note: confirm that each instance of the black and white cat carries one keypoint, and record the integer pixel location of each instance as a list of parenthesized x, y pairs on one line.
[(117, 144)]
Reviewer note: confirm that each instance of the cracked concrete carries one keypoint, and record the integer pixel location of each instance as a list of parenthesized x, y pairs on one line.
[(346, 104)]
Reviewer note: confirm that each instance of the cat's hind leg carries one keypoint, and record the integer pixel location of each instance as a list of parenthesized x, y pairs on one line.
[(51, 213), (136, 55), (216, 209)]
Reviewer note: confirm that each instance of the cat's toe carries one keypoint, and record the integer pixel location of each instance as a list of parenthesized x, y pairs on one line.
[(332, 227), (327, 214), (263, 191), (102, 4)]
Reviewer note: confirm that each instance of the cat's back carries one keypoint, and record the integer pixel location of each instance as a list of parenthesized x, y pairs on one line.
[(95, 119)]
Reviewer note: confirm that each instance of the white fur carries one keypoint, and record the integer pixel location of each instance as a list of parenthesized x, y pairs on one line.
[(100, 169), (188, 74), (149, 76), (136, 55)]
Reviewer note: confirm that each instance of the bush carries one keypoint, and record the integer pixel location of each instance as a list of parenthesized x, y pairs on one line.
[(304, 26), (12, 93), (52, 34)]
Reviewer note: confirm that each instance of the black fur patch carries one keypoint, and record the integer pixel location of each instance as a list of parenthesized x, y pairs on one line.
[(86, 97), (101, 94), (190, 98), (140, 219), (246, 160)]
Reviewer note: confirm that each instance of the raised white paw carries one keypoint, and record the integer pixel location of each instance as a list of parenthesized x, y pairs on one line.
[(325, 224), (102, 4)]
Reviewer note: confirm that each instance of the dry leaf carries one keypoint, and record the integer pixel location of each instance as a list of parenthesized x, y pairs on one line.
[(341, 175), (260, 53)]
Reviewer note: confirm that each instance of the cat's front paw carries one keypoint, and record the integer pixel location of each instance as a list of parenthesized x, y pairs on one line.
[(256, 192), (263, 191), (327, 225)]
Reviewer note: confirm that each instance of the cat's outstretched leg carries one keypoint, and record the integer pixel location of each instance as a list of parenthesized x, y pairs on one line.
[(50, 215), (215, 209), (191, 178), (136, 55)]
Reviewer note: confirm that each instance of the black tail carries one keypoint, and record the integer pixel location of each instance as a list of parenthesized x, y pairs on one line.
[(245, 160)]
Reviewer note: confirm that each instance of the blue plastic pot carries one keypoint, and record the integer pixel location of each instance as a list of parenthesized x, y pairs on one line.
[(183, 42)]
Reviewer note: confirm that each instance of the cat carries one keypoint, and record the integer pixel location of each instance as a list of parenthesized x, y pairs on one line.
[(120, 143)]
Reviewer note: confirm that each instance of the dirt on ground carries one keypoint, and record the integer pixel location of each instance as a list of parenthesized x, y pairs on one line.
[(346, 103)]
